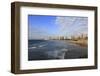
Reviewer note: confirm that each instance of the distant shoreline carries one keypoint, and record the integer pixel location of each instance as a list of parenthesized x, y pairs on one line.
[(80, 42)]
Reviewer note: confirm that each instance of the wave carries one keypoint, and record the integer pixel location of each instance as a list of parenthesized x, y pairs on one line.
[(34, 47), (57, 54), (42, 45)]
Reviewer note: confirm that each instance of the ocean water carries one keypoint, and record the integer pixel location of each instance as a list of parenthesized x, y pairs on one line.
[(55, 49)]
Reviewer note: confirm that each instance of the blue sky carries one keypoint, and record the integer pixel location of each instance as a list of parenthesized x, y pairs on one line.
[(42, 26)]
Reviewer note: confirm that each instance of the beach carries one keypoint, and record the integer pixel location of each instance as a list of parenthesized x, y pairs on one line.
[(81, 42)]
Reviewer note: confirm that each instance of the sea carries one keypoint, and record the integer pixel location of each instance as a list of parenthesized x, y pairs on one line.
[(55, 49)]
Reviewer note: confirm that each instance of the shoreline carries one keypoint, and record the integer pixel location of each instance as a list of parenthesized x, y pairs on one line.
[(80, 42)]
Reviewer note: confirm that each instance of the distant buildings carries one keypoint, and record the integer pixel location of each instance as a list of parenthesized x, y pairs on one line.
[(79, 37), (58, 38), (76, 37)]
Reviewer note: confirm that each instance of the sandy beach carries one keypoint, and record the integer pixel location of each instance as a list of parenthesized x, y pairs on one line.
[(80, 42)]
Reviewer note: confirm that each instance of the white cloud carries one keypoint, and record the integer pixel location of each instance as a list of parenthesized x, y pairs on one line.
[(72, 25)]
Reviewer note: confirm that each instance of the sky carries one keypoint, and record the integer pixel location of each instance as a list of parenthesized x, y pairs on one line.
[(43, 26)]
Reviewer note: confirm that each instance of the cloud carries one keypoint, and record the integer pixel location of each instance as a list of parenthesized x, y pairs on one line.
[(72, 25)]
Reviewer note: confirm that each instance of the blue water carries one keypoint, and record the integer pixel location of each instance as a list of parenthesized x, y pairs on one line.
[(55, 49)]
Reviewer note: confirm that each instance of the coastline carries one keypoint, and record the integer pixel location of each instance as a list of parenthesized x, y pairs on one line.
[(80, 42)]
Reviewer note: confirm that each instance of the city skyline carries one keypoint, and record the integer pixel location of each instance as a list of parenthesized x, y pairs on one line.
[(44, 26)]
